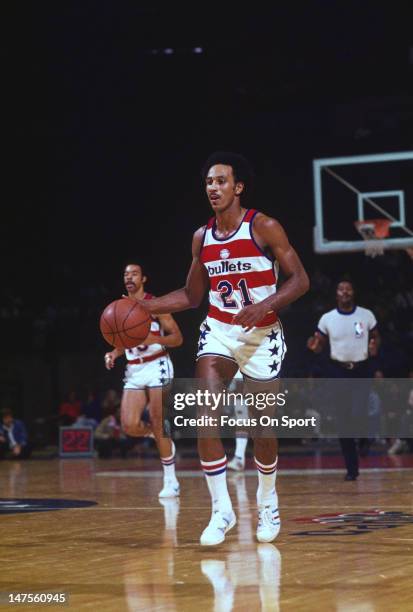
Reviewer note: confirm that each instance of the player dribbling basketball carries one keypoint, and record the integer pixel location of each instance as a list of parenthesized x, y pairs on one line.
[(236, 255), (149, 369)]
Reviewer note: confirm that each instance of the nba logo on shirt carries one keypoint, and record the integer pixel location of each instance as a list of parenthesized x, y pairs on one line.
[(358, 329)]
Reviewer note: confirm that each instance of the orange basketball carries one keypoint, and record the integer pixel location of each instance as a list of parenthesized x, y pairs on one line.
[(125, 323)]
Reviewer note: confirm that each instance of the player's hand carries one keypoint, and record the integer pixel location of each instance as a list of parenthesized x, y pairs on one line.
[(152, 339), (110, 360), (314, 344), (16, 450), (250, 315)]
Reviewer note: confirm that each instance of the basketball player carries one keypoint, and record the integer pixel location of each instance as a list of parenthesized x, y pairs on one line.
[(237, 255), (353, 335), (149, 369)]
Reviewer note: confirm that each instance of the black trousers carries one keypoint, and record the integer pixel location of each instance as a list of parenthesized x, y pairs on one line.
[(357, 409)]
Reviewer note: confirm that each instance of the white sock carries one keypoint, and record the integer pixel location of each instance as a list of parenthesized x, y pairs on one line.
[(216, 477), (240, 448), (267, 475), (168, 464)]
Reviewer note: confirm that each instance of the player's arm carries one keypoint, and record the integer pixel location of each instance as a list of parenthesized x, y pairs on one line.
[(111, 357), (173, 335), (374, 342), (269, 233), (191, 295)]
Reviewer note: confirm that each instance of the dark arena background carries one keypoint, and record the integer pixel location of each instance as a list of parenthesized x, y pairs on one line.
[(111, 109)]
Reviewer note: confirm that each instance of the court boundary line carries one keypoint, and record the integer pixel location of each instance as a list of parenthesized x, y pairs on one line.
[(248, 473)]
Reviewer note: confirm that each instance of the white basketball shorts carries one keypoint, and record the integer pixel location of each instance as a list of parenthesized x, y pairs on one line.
[(156, 373), (258, 352)]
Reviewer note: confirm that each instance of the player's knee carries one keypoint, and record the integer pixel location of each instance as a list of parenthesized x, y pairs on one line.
[(129, 427), (136, 429)]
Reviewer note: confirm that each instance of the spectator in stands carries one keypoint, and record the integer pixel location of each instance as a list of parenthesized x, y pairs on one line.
[(111, 401), (91, 411), (69, 410), (110, 436), (13, 437)]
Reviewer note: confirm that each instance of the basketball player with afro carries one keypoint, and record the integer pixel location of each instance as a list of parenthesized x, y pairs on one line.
[(236, 256), (149, 369)]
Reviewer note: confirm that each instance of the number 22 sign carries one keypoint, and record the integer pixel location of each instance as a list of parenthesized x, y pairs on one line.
[(76, 442)]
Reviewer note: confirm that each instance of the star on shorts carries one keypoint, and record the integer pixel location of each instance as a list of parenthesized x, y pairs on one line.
[(274, 366), (273, 335)]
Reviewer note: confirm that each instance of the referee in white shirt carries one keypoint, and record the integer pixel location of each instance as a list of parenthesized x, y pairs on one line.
[(352, 333)]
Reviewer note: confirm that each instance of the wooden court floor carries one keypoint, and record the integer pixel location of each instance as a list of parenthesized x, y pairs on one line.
[(343, 546)]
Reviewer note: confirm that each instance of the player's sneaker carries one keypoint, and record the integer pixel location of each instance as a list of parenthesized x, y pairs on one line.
[(219, 525), (268, 523), (236, 464), (170, 489)]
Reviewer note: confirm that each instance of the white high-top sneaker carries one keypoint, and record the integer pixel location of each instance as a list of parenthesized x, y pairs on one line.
[(219, 525), (170, 488), (268, 522)]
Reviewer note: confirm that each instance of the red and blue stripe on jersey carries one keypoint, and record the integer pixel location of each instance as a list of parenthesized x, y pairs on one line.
[(239, 271)]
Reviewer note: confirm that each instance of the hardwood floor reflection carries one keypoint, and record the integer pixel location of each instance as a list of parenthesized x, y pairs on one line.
[(343, 546)]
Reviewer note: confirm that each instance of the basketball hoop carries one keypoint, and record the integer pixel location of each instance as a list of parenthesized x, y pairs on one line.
[(376, 231)]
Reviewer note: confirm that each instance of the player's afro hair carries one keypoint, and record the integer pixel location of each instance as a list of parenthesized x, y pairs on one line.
[(241, 168), (135, 262), (346, 279)]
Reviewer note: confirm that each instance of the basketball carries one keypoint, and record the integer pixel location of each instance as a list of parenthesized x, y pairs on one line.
[(124, 323)]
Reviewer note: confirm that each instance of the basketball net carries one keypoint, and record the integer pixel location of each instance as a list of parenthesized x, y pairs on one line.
[(372, 231)]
